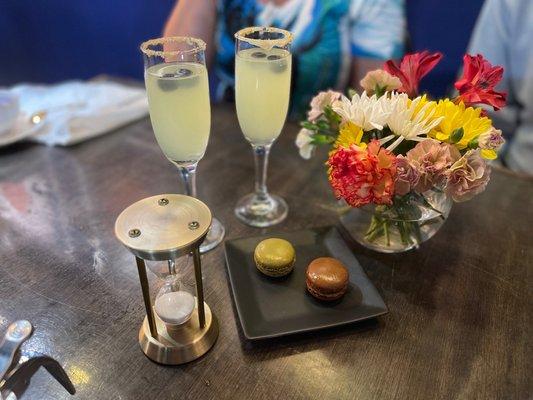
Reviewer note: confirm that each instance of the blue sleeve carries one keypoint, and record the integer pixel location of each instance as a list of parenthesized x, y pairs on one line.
[(377, 28)]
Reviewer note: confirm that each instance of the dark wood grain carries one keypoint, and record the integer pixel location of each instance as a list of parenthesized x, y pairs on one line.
[(459, 319)]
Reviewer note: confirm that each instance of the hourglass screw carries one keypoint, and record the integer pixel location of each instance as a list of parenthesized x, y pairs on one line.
[(133, 233), (194, 225), (162, 202)]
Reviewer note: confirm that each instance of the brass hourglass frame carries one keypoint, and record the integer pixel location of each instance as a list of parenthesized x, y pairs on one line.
[(143, 277), (163, 228)]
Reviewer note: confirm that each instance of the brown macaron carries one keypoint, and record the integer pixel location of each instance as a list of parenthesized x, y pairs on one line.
[(327, 278)]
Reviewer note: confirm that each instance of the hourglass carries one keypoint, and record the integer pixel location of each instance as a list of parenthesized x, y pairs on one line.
[(178, 327)]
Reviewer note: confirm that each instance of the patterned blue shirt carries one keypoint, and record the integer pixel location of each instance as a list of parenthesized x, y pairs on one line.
[(327, 34)]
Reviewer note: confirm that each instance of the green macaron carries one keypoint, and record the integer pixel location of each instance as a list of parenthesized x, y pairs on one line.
[(274, 257)]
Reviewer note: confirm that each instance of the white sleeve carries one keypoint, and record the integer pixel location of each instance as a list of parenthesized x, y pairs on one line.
[(491, 37), (377, 28), (491, 33)]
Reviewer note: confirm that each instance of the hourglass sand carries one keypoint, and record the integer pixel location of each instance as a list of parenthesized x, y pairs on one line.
[(179, 327)]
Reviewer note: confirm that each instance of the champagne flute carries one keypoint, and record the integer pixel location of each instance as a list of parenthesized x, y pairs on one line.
[(178, 97), (262, 89)]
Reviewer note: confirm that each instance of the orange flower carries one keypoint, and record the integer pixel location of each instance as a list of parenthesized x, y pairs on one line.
[(362, 176)]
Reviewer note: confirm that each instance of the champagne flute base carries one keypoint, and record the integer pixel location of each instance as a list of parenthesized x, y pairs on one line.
[(214, 236), (261, 211)]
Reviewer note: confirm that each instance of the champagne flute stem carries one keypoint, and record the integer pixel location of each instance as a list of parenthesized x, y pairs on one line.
[(188, 174), (261, 165), (171, 267)]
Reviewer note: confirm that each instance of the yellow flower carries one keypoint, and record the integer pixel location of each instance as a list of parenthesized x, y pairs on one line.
[(420, 104), (488, 154), (458, 116), (349, 134)]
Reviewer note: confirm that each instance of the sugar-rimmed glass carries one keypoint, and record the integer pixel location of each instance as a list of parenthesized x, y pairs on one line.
[(262, 90), (178, 96)]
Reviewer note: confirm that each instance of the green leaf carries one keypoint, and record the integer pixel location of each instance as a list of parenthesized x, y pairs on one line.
[(457, 135), (328, 111), (322, 139), (322, 124), (331, 116), (473, 144), (309, 125), (380, 91)]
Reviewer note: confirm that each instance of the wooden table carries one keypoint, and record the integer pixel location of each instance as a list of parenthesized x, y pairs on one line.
[(459, 312)]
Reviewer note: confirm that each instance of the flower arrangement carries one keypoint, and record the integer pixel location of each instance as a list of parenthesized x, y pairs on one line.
[(400, 152)]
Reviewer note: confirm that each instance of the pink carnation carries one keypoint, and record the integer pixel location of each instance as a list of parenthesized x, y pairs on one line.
[(379, 80), (432, 159), (362, 176), (320, 101), (491, 140), (407, 176), (467, 177)]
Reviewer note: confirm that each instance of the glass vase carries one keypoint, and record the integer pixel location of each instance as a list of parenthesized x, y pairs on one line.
[(409, 221)]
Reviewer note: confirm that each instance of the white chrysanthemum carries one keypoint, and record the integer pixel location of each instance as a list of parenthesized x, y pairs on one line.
[(366, 112), (408, 121)]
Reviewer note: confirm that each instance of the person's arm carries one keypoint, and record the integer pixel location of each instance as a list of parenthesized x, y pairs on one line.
[(196, 18), (360, 66), (377, 34), (491, 37), (491, 34)]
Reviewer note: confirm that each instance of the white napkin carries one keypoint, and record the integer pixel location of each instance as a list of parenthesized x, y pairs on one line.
[(76, 111)]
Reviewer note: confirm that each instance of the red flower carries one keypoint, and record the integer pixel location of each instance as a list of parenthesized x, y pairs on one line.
[(478, 83), (412, 69), (361, 176)]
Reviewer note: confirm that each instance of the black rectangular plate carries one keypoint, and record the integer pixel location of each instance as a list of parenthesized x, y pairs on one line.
[(270, 307)]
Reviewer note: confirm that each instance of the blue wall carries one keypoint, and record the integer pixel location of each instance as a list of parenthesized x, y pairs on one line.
[(445, 26), (54, 40)]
